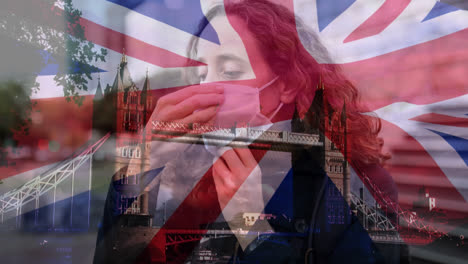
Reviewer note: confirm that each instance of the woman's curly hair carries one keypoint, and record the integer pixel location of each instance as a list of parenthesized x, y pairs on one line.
[(292, 51)]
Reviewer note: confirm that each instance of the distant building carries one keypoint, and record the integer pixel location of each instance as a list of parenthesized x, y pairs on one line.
[(425, 202), (251, 218)]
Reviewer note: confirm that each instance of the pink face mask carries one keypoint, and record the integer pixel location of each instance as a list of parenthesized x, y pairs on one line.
[(242, 106)]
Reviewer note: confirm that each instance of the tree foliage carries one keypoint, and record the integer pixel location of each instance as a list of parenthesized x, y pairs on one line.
[(31, 32)]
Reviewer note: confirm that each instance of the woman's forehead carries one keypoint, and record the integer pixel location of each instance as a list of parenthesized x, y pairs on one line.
[(230, 40), (227, 35)]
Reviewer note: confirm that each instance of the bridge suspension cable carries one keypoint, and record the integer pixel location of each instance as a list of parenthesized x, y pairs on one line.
[(15, 199)]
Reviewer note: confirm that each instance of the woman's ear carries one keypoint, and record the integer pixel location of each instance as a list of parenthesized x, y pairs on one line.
[(287, 94)]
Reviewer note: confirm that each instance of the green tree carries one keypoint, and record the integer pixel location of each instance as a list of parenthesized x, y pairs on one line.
[(31, 30)]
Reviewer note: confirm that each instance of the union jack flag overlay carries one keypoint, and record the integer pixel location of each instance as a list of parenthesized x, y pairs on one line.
[(236, 131)]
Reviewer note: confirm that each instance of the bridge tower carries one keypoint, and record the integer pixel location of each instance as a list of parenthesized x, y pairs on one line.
[(336, 149), (330, 125), (134, 107)]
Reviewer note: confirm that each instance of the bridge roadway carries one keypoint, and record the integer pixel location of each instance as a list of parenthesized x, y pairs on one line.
[(233, 137), (177, 236)]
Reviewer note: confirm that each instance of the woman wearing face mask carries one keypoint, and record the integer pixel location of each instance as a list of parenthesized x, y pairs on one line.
[(265, 75), (261, 75)]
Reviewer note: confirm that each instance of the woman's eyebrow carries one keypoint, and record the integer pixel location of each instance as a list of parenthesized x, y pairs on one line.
[(223, 58), (227, 57)]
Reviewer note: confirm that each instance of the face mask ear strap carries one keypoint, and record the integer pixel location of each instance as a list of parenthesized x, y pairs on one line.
[(276, 111), (268, 84)]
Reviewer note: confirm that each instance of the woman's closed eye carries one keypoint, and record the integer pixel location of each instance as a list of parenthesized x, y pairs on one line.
[(230, 69), (231, 75)]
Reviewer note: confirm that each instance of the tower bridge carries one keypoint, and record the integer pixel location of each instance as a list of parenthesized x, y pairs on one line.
[(30, 192), (379, 225)]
